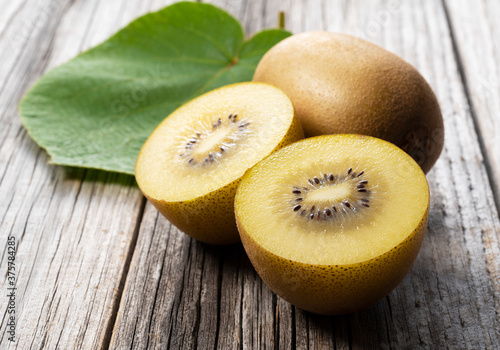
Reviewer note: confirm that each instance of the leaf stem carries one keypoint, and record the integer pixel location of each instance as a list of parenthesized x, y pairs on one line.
[(281, 20)]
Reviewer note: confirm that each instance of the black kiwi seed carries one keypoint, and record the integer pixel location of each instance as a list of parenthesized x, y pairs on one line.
[(330, 177), (299, 199), (311, 216), (362, 190), (364, 182), (334, 209), (346, 203), (296, 208), (349, 171), (296, 191), (361, 173), (361, 186), (311, 182), (365, 205), (316, 180), (328, 212), (365, 200)]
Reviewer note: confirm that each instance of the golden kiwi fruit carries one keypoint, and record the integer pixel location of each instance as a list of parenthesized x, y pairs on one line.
[(333, 223), (190, 166), (342, 84)]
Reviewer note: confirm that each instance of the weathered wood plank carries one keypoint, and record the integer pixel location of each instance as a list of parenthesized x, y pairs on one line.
[(476, 33), (74, 228)]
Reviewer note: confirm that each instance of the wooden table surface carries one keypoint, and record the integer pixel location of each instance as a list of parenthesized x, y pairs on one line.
[(98, 267)]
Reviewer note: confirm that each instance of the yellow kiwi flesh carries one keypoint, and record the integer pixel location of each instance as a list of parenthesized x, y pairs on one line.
[(342, 84), (191, 164), (363, 208)]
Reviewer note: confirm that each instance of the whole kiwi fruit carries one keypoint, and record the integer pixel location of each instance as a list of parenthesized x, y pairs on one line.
[(342, 84)]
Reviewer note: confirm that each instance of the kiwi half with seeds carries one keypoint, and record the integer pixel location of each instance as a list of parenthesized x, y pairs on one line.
[(191, 164), (333, 223)]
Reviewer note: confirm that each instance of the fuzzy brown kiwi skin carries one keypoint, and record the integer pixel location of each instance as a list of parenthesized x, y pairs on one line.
[(335, 289), (210, 218), (342, 84)]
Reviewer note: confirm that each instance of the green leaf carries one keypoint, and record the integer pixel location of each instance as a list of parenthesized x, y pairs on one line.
[(97, 110)]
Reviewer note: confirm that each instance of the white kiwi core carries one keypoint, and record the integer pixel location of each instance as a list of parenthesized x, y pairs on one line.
[(214, 141), (331, 193)]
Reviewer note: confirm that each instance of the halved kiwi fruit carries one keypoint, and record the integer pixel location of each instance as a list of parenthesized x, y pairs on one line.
[(191, 164), (333, 223)]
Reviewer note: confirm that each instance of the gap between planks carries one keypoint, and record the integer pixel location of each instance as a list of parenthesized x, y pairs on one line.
[(126, 266)]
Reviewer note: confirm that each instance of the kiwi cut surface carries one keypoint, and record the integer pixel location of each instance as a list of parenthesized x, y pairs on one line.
[(333, 223), (191, 164)]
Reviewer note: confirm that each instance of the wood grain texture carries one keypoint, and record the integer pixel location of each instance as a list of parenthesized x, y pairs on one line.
[(449, 299), (476, 33), (74, 228), (78, 231)]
